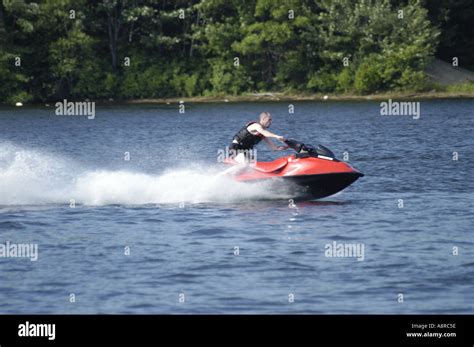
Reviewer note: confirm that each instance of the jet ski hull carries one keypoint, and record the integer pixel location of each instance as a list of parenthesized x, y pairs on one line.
[(314, 169), (323, 185), (315, 177)]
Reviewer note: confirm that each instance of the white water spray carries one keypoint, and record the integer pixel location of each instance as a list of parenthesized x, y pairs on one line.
[(32, 177)]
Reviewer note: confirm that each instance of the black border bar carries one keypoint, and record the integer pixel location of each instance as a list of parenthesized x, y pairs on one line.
[(242, 329)]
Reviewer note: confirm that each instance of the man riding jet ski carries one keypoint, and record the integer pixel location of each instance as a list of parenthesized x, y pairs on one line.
[(254, 132), (316, 169)]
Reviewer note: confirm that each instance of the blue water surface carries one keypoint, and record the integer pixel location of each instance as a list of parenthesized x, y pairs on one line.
[(159, 233)]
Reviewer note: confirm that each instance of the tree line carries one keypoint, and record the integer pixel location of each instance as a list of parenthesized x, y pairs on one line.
[(129, 49)]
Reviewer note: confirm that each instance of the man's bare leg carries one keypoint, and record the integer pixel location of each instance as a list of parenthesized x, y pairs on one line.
[(241, 164)]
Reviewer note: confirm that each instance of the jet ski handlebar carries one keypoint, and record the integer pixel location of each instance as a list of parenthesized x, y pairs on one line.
[(302, 148)]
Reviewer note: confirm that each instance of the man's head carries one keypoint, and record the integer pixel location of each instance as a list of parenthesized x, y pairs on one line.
[(265, 119)]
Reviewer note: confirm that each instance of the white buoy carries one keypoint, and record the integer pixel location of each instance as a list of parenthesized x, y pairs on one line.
[(181, 101), (167, 103), (226, 100), (325, 97), (18, 104)]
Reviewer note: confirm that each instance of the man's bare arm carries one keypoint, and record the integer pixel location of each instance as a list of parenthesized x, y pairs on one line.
[(273, 146), (267, 133)]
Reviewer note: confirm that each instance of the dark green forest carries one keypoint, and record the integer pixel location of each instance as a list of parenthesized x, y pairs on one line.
[(156, 49)]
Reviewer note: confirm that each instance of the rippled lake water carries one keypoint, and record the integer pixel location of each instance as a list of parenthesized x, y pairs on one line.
[(161, 233)]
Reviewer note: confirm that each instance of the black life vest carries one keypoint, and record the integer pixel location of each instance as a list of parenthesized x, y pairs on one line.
[(246, 139)]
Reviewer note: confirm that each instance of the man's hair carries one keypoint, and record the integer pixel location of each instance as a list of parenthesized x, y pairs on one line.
[(264, 115)]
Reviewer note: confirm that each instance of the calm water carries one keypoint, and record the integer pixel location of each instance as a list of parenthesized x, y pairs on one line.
[(182, 223)]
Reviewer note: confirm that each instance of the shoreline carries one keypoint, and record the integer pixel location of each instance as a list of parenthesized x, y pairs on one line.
[(281, 97), (270, 97)]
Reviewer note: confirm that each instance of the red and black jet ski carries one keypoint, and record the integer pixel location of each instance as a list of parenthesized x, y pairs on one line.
[(315, 169)]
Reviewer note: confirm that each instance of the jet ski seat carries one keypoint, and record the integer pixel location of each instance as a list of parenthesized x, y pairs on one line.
[(270, 166)]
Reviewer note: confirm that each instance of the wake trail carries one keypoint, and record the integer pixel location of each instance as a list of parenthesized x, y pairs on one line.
[(35, 177)]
